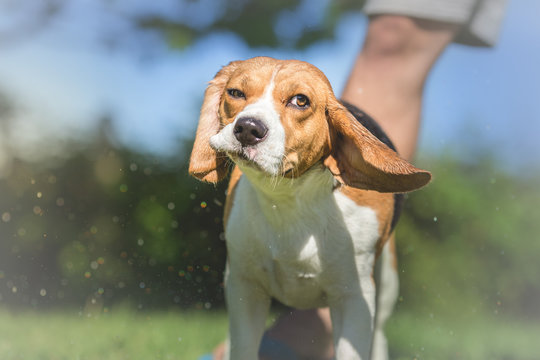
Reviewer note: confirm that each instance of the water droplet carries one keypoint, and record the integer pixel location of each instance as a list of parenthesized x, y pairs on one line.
[(142, 285), (435, 219), (39, 194), (203, 204), (123, 188), (94, 265), (179, 339), (171, 206), (42, 292), (274, 207), (6, 217), (140, 242)]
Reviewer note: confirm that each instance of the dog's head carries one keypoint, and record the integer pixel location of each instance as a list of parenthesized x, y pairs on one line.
[(282, 117)]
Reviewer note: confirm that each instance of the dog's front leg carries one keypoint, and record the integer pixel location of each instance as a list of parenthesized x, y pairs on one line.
[(352, 320), (248, 306)]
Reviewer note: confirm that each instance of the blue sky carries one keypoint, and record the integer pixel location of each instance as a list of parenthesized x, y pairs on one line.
[(63, 78)]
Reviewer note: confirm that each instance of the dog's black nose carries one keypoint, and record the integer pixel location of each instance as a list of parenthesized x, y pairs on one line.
[(249, 131)]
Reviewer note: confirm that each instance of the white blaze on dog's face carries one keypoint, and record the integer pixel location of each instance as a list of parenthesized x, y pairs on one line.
[(281, 117), (271, 116)]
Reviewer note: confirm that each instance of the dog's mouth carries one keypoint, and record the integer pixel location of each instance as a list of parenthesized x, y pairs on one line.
[(247, 157)]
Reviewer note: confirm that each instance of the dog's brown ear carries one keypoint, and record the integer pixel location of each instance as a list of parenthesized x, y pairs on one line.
[(207, 164), (359, 159)]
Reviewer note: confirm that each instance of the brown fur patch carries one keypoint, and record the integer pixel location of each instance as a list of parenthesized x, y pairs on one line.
[(381, 203)]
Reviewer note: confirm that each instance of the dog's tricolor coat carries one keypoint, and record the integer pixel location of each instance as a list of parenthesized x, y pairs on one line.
[(310, 204)]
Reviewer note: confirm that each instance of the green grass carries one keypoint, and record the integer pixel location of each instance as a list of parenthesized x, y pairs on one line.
[(475, 338), (117, 335), (185, 336)]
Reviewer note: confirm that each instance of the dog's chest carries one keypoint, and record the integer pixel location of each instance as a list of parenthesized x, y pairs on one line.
[(298, 250)]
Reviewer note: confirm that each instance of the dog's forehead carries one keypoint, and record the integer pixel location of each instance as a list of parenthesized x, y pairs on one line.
[(263, 70)]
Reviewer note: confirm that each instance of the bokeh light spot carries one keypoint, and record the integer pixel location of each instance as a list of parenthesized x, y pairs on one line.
[(6, 217)]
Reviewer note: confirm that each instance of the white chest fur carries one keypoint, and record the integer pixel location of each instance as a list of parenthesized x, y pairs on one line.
[(298, 240)]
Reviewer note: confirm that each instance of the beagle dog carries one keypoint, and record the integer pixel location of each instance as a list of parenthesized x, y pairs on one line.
[(312, 202)]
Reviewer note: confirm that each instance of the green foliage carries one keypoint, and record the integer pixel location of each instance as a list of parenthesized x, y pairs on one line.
[(255, 22), (109, 225), (467, 242)]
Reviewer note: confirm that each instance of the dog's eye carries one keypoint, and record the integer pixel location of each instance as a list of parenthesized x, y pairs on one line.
[(235, 93), (301, 101)]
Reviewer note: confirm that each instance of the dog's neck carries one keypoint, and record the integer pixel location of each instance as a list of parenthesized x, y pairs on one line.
[(281, 197)]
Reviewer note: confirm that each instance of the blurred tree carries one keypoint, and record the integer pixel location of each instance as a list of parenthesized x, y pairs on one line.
[(465, 242), (293, 23), (109, 224)]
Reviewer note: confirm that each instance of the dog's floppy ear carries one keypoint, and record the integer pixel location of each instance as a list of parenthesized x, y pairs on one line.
[(207, 164), (358, 159)]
